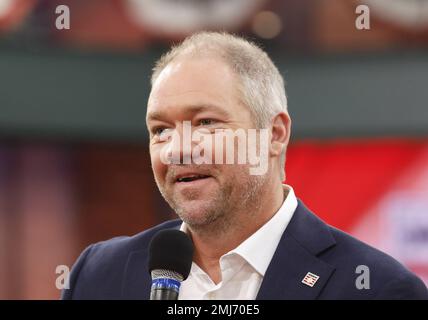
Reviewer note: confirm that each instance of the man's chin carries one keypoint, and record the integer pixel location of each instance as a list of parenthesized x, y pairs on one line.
[(197, 213)]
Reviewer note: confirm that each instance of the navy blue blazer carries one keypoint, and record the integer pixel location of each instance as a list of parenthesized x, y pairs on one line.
[(117, 268)]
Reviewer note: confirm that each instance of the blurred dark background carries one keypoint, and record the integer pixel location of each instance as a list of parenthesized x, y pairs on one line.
[(74, 162)]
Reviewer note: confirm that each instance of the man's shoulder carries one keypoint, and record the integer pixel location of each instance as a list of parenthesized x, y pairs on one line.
[(359, 264), (350, 250), (356, 265), (123, 245), (99, 270)]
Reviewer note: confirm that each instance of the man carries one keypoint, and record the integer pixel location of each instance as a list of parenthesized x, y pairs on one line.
[(253, 239)]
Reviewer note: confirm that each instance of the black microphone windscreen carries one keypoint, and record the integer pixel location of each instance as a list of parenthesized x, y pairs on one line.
[(171, 250)]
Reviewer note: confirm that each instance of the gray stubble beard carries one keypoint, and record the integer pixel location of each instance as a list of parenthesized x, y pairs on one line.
[(222, 217)]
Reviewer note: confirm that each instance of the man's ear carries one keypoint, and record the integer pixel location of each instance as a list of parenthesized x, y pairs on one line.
[(281, 129)]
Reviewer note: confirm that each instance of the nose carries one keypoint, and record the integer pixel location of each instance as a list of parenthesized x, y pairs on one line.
[(179, 146)]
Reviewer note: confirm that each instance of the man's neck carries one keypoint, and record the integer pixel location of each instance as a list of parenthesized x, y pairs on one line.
[(210, 246)]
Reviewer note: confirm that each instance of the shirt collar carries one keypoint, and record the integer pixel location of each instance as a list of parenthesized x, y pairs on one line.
[(260, 247)]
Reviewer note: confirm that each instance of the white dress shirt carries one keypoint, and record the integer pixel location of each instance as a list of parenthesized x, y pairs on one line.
[(243, 268)]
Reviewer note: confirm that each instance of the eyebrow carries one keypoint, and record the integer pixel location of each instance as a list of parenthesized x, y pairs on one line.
[(160, 115)]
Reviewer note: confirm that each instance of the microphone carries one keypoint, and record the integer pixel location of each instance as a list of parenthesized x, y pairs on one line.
[(170, 260)]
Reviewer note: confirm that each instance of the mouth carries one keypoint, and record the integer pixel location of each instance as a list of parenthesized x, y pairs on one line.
[(191, 178)]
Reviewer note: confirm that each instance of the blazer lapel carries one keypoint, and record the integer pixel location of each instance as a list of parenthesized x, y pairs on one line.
[(304, 238)]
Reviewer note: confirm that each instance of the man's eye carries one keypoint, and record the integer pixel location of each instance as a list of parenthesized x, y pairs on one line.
[(158, 130), (206, 122)]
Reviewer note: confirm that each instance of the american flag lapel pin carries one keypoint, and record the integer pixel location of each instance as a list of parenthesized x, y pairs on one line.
[(310, 279)]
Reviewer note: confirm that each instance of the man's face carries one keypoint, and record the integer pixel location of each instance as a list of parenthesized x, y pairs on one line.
[(204, 92)]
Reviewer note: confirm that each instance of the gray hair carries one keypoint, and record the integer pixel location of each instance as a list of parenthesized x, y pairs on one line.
[(261, 85)]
